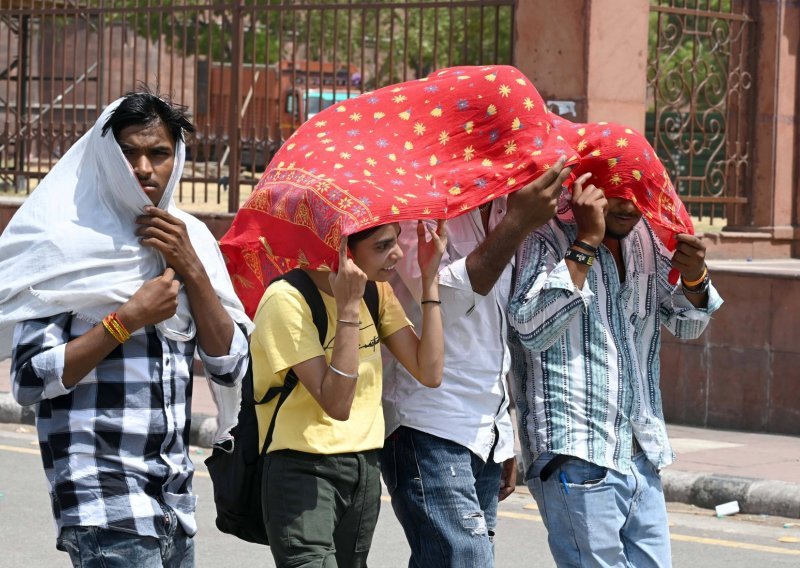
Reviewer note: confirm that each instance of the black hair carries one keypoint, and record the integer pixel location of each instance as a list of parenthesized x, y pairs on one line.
[(145, 107), (356, 238)]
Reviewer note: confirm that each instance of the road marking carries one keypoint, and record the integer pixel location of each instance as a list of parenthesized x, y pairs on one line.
[(673, 536), (19, 450), (537, 518), (734, 544), (506, 514), (519, 516)]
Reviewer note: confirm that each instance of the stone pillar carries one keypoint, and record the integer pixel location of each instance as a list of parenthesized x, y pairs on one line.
[(591, 53), (774, 194)]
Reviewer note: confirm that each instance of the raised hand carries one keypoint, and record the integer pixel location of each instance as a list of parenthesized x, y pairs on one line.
[(429, 252), (690, 257), (589, 207), (536, 203), (154, 302), (168, 235), (348, 282)]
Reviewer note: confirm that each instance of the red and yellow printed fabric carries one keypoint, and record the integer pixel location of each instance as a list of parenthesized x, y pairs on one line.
[(431, 148), (624, 164)]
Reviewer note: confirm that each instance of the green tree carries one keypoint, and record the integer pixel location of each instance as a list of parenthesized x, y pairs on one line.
[(391, 40)]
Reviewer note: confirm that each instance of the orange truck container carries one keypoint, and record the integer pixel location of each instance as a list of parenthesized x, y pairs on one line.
[(273, 101)]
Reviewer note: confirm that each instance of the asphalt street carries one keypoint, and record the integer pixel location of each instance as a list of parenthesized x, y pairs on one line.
[(698, 538)]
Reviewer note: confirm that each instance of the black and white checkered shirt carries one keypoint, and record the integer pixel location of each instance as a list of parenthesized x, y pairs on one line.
[(115, 446)]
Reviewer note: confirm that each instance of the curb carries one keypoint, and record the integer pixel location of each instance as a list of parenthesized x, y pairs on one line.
[(12, 412), (706, 490), (201, 433), (755, 496)]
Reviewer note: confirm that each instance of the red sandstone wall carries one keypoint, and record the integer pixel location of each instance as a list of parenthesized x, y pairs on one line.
[(744, 372)]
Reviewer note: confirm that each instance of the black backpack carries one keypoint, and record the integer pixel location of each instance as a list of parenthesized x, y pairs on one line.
[(235, 466)]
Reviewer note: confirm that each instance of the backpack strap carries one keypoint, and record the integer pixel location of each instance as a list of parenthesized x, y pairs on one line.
[(373, 304), (305, 285)]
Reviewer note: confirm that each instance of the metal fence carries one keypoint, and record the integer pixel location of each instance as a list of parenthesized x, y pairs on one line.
[(700, 95), (250, 71)]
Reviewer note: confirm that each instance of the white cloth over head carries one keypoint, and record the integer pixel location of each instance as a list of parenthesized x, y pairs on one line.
[(72, 246)]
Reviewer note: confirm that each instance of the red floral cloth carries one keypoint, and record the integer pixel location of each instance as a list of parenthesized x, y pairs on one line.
[(624, 164), (425, 149)]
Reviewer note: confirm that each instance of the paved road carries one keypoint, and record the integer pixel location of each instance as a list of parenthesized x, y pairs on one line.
[(698, 539)]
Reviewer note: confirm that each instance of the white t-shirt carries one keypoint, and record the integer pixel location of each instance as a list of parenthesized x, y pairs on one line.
[(471, 405)]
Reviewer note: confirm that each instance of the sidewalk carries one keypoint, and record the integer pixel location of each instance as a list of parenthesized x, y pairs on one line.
[(760, 471)]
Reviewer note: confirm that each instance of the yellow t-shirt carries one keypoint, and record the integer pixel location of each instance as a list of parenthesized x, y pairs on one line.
[(285, 335)]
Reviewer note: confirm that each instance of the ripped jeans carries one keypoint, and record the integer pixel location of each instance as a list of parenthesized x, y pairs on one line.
[(444, 496)]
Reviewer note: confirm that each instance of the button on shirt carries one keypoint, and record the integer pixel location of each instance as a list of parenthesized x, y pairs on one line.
[(114, 446), (586, 362), (470, 407)]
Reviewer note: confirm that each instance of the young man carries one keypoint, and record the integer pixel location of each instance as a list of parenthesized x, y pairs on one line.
[(449, 455), (114, 292), (590, 298)]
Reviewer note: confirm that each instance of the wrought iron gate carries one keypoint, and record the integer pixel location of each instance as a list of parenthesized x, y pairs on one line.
[(250, 71), (700, 97)]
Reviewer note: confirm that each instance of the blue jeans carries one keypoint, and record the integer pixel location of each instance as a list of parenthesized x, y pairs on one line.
[(599, 517), (97, 547), (444, 496)]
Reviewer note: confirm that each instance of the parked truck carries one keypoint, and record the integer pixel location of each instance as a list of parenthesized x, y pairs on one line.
[(273, 101)]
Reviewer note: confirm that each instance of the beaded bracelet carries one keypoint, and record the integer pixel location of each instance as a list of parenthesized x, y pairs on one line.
[(701, 290)]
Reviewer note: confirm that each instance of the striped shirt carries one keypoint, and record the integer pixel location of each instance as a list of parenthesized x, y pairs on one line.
[(586, 362), (115, 446)]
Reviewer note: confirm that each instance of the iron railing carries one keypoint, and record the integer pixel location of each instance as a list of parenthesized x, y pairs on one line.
[(250, 71), (700, 96)]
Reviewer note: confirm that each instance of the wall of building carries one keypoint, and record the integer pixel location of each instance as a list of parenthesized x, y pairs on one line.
[(744, 372)]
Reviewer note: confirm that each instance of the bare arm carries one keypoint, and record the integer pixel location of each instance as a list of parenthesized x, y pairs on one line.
[(528, 209), (589, 206), (332, 390), (690, 260), (424, 356)]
